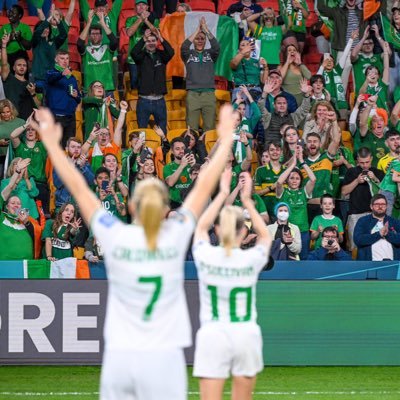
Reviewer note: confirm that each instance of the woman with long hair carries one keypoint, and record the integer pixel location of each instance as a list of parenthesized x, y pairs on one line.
[(58, 234), (8, 122), (98, 108), (290, 142), (319, 122), (147, 323), (23, 186), (229, 340), (293, 71), (296, 196), (120, 183), (270, 35)]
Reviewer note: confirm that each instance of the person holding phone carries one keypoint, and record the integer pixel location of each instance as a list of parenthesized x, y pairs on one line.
[(176, 173), (330, 249), (287, 233), (358, 183), (111, 201)]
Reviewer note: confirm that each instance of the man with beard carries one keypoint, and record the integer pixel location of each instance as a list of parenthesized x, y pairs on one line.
[(151, 64), (97, 57), (372, 133), (74, 153), (321, 163), (266, 176), (17, 89), (135, 27), (272, 121), (176, 173), (359, 184), (377, 235), (200, 97)]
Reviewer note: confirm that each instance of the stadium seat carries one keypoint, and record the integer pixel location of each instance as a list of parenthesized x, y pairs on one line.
[(274, 4), (152, 139), (131, 121), (174, 133), (223, 96), (127, 5), (347, 140), (74, 59), (254, 162), (175, 99), (123, 16), (64, 5), (78, 77), (176, 119), (223, 6), (79, 124), (210, 138), (202, 5), (30, 20)]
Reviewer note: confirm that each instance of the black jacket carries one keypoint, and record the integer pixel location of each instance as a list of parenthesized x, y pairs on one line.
[(151, 68)]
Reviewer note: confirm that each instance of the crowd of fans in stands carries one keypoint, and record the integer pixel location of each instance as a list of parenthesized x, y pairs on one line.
[(323, 148)]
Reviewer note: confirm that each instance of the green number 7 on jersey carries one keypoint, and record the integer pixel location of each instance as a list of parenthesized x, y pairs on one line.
[(157, 282)]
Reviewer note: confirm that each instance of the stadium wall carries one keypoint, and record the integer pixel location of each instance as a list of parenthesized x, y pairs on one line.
[(303, 322)]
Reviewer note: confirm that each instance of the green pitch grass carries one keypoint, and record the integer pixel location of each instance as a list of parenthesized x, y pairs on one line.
[(297, 383)]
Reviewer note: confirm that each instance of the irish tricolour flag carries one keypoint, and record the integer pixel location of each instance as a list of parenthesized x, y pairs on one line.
[(67, 268), (178, 26)]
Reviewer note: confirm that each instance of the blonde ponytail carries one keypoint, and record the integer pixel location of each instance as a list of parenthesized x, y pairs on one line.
[(230, 222), (150, 199)]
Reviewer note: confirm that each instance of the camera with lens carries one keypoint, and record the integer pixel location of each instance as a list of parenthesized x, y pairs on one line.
[(330, 242)]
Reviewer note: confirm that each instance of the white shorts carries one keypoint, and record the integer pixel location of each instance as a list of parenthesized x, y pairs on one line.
[(222, 349), (143, 375)]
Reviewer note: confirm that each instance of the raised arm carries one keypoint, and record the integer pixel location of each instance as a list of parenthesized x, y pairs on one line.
[(5, 67), (70, 12), (120, 123), (209, 176), (16, 133), (16, 177), (259, 226), (336, 134), (51, 134), (283, 177), (209, 216), (371, 102), (309, 187), (342, 60), (394, 117), (386, 66), (357, 48), (235, 62)]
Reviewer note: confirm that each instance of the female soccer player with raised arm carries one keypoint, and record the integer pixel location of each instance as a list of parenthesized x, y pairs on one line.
[(147, 323), (229, 340)]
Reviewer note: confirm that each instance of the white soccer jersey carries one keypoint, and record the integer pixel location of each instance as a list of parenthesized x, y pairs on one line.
[(227, 285), (146, 306)]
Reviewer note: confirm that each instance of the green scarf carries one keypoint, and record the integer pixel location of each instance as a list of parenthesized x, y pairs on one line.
[(333, 81), (61, 69)]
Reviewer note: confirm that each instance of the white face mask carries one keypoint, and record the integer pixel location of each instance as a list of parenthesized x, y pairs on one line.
[(283, 215)]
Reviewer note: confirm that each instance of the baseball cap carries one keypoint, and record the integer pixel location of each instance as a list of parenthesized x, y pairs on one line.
[(141, 1), (100, 3), (275, 71)]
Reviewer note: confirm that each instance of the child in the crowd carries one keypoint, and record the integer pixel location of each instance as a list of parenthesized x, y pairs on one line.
[(326, 219)]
